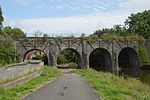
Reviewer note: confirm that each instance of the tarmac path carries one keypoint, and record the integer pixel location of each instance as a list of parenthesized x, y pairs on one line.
[(69, 86)]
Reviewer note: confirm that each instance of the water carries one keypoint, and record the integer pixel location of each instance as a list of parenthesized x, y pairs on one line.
[(143, 75)]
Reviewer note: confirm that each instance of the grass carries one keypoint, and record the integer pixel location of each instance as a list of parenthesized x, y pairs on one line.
[(112, 87), (20, 91)]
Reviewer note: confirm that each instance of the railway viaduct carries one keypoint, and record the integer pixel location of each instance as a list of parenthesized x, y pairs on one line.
[(113, 52)]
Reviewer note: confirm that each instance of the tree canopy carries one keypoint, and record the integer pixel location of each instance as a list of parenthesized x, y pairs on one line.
[(139, 23), (135, 24), (1, 20)]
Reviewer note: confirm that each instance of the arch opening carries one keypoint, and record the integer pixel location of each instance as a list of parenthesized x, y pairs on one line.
[(128, 58), (69, 58), (36, 54), (100, 59)]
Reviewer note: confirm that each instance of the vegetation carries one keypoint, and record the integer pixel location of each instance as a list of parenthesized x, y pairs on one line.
[(139, 23), (135, 24), (20, 91), (112, 87), (8, 35), (67, 57), (143, 56), (7, 53), (1, 21), (41, 57)]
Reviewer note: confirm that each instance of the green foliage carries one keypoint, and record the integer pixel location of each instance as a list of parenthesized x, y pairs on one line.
[(71, 36), (17, 33), (116, 30), (134, 37), (62, 59), (82, 35), (143, 56), (20, 91), (38, 57), (92, 38), (1, 20), (112, 37), (112, 87), (14, 33), (139, 23), (72, 64), (67, 56), (58, 38), (41, 57), (7, 53), (37, 33), (136, 24), (7, 35), (45, 35)]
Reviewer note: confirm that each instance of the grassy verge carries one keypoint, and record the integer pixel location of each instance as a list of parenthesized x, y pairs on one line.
[(20, 91), (112, 87)]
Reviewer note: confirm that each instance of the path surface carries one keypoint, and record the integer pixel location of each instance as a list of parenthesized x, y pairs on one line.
[(66, 87)]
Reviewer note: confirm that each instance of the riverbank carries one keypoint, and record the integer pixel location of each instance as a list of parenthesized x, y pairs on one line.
[(111, 87), (20, 91)]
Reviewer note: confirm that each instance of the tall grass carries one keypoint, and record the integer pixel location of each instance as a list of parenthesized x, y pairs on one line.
[(112, 87), (21, 90)]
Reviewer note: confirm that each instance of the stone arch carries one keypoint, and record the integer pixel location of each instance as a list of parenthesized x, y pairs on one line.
[(26, 53), (79, 62), (100, 59), (128, 57)]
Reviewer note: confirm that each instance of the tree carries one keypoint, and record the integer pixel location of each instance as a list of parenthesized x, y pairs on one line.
[(8, 30), (37, 34), (139, 23), (45, 35), (1, 20), (7, 53), (17, 33)]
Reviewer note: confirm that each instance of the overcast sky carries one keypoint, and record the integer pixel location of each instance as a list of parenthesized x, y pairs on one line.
[(68, 16)]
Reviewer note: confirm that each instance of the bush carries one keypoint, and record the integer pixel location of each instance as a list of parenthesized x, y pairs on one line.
[(7, 53), (143, 56), (134, 37), (112, 37), (72, 64), (92, 38)]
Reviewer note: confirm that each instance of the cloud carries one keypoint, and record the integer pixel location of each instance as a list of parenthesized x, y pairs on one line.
[(135, 5), (24, 2), (68, 25), (99, 15)]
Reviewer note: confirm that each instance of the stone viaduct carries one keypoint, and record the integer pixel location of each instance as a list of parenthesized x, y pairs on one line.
[(113, 51)]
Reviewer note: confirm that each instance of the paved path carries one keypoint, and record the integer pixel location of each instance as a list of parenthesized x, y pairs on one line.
[(66, 87)]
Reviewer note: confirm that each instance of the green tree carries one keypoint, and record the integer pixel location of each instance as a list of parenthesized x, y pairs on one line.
[(45, 35), (8, 30), (17, 33), (7, 52), (139, 23), (1, 20), (67, 56)]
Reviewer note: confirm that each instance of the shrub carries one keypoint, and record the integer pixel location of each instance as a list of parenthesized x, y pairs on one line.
[(143, 56), (134, 37), (72, 64)]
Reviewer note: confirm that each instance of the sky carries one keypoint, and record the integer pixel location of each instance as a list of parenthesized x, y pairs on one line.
[(66, 17)]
